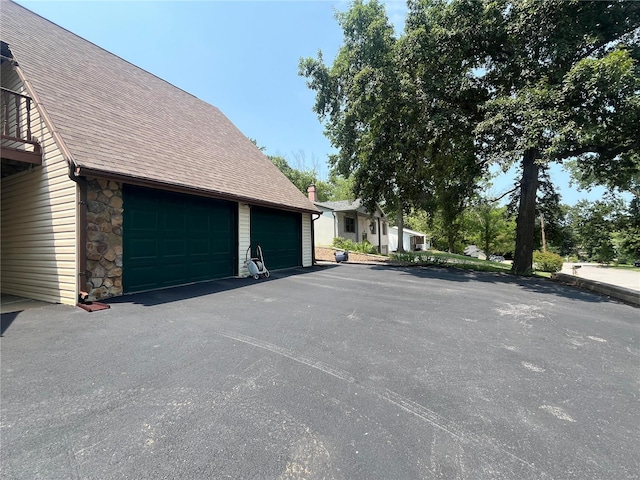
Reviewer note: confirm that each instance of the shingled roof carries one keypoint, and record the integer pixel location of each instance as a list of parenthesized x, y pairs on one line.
[(116, 119), (347, 206)]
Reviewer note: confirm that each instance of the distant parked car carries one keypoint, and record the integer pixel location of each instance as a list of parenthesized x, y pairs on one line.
[(636, 263), (496, 258)]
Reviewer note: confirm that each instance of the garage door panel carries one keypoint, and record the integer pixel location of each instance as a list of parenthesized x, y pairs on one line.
[(173, 221), (172, 274), (142, 220), (171, 247), (141, 248), (143, 276), (219, 264), (200, 268), (218, 245), (172, 239), (199, 246), (279, 234)]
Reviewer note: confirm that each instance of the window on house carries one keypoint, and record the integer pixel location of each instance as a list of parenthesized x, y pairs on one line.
[(349, 225), (372, 227), (384, 228)]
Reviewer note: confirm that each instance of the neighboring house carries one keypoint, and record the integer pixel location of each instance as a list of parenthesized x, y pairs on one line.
[(412, 240), (115, 181), (349, 219)]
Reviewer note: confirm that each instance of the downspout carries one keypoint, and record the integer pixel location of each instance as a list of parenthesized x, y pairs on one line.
[(335, 224), (74, 175), (82, 233), (379, 236), (357, 228), (313, 238)]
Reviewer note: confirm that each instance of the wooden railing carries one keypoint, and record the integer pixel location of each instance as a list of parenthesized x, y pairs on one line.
[(15, 115)]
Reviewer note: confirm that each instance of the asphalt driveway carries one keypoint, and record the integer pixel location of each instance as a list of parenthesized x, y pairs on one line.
[(344, 372)]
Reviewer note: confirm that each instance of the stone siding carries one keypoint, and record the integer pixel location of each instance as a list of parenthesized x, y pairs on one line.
[(104, 238)]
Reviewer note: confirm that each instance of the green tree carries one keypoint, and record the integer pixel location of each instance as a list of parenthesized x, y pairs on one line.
[(536, 81), (564, 82), (559, 233), (417, 220), (361, 99), (627, 237), (382, 102), (341, 187), (595, 224), (444, 236), (490, 227), (302, 178)]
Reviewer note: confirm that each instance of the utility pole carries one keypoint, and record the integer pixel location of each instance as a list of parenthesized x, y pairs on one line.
[(544, 240)]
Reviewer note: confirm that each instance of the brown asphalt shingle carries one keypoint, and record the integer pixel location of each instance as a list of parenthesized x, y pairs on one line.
[(119, 119)]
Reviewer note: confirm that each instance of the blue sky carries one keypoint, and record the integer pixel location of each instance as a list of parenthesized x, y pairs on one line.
[(242, 57)]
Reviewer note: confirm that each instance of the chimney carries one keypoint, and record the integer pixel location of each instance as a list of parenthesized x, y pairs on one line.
[(312, 193)]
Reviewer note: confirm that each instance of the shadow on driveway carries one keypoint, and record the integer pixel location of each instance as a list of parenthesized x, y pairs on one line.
[(194, 290), (531, 284), (6, 320)]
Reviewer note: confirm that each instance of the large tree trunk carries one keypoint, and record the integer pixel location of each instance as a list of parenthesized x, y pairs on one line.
[(523, 256), (400, 221), (487, 237), (451, 241)]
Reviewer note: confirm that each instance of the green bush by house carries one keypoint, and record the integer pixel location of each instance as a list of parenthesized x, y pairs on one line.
[(547, 261), (346, 244)]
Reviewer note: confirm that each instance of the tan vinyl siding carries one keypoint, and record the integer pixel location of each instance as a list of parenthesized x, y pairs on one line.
[(244, 237), (39, 222), (307, 258)]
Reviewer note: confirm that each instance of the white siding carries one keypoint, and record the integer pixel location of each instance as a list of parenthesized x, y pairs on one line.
[(324, 230), (39, 221), (365, 232), (307, 254), (244, 237), (341, 231), (384, 237), (407, 236)]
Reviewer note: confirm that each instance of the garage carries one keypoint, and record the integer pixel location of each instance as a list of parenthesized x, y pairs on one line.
[(279, 233), (173, 239)]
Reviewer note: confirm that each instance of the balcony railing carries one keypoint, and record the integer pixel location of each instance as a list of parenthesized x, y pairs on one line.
[(16, 116), (18, 144)]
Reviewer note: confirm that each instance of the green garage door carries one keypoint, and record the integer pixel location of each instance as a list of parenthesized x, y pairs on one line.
[(279, 234), (173, 239)]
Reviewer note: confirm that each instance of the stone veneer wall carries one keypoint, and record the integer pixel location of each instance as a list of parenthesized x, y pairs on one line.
[(104, 238)]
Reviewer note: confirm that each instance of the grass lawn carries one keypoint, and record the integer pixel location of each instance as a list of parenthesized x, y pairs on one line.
[(445, 259), (437, 258), (626, 267)]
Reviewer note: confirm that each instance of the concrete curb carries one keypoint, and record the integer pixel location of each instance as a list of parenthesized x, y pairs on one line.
[(627, 295)]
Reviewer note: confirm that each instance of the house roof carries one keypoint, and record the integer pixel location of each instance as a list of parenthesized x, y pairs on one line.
[(341, 205), (116, 119), (409, 231), (347, 206)]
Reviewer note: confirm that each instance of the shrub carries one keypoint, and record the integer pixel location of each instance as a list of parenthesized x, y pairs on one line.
[(343, 243), (346, 244), (547, 261)]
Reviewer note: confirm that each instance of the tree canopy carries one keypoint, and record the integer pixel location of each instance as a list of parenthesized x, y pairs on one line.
[(564, 84), (399, 147), (418, 118)]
